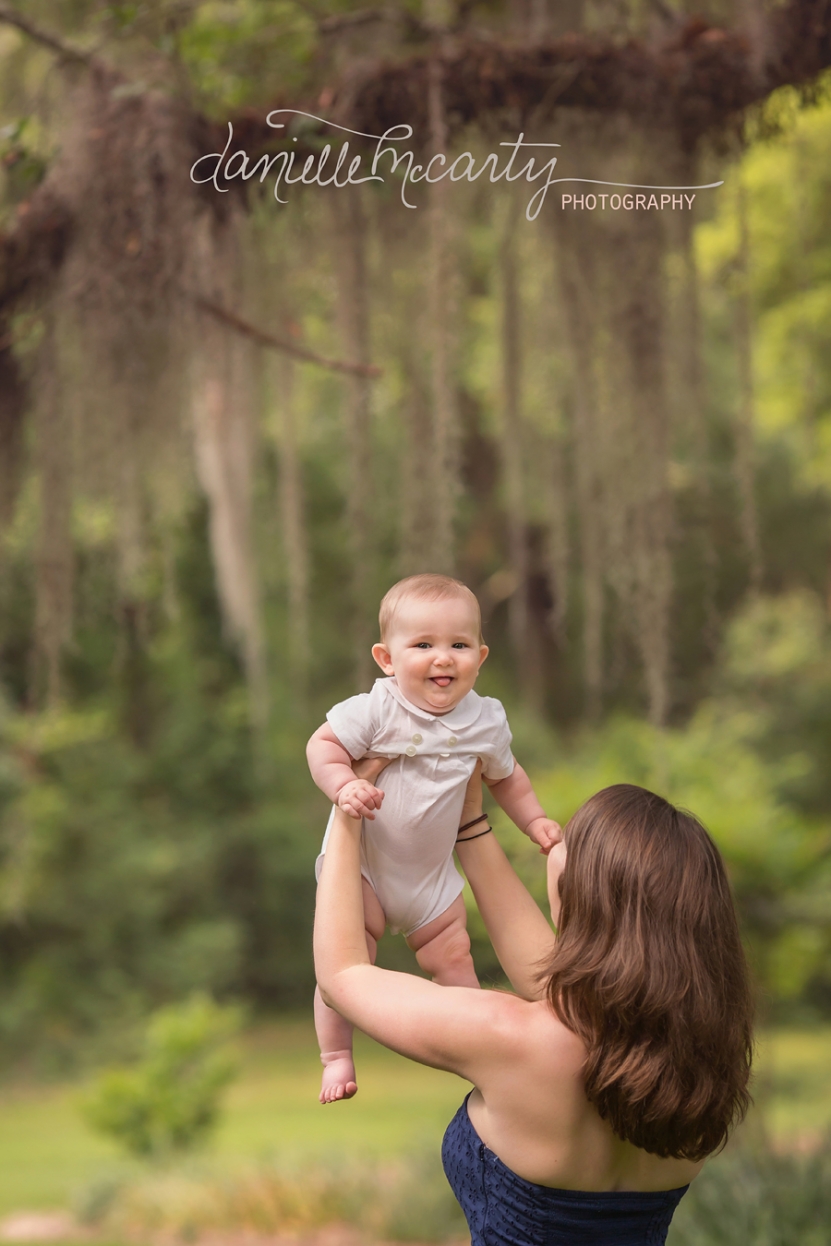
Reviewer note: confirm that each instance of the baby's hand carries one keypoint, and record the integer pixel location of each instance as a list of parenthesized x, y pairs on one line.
[(359, 798), (545, 833)]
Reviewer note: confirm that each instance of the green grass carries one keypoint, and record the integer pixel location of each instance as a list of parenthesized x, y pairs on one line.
[(47, 1153), (793, 1084), (273, 1109)]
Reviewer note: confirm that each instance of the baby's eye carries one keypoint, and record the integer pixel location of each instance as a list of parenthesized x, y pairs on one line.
[(423, 644), (460, 644)]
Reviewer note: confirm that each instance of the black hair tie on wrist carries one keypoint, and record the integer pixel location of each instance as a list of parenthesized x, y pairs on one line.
[(483, 817), (486, 831)]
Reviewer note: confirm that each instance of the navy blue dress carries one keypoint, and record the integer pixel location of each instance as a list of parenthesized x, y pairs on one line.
[(503, 1209)]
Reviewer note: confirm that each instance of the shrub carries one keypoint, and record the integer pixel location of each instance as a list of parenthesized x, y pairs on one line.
[(408, 1200), (757, 1197), (169, 1100)]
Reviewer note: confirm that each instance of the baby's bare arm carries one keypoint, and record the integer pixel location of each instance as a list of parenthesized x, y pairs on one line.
[(331, 769), (519, 800)]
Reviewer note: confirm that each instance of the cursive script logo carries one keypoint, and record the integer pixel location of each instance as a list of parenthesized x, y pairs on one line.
[(323, 169)]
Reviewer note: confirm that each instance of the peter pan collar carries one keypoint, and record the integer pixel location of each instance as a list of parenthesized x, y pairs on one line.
[(464, 715)]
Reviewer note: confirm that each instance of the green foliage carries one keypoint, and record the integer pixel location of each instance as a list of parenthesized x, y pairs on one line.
[(753, 1195), (759, 1198), (148, 845), (22, 167), (242, 53), (418, 1206), (778, 666), (753, 764), (788, 188), (132, 875), (169, 1101), (407, 1200)]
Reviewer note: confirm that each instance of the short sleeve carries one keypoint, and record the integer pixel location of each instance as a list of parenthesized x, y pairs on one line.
[(355, 722), (498, 761)]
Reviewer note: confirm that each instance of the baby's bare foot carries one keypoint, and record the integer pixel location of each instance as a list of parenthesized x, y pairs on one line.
[(338, 1077)]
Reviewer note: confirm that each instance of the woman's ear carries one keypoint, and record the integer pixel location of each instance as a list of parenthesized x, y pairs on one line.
[(381, 654)]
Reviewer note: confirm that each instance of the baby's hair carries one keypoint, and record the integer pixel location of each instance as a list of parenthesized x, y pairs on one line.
[(424, 587)]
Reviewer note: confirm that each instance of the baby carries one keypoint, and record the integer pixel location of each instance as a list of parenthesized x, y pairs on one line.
[(427, 719)]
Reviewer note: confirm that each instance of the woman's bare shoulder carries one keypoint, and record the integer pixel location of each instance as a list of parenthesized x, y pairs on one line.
[(532, 1026)]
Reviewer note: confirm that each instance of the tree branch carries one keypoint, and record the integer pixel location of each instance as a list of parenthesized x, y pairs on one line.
[(343, 21), (698, 79), (33, 252), (275, 343), (66, 51)]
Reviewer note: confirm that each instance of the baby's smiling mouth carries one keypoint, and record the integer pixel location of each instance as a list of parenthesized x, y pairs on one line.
[(443, 681)]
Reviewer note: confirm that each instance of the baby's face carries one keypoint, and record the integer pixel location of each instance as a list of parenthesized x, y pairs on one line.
[(433, 650)]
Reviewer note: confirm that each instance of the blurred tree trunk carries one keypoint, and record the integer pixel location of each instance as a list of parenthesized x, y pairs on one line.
[(293, 526), (744, 458), (223, 427), (415, 517), (690, 414), (513, 474), (646, 485), (613, 279), (443, 314), (349, 244), (557, 538), (12, 423), (129, 471), (575, 264), (54, 559)]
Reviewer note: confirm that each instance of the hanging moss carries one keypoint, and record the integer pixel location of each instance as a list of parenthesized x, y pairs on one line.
[(121, 254)]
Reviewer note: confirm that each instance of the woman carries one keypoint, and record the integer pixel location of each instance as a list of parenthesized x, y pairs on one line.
[(622, 1060)]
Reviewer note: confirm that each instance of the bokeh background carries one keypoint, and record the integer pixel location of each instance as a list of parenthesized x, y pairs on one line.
[(228, 424)]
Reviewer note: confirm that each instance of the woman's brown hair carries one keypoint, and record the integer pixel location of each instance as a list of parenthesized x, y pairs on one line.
[(650, 972)]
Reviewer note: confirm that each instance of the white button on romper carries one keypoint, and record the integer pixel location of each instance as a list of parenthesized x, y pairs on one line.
[(407, 850)]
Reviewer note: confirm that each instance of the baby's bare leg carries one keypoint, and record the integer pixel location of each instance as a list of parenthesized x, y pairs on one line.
[(334, 1034), (442, 947)]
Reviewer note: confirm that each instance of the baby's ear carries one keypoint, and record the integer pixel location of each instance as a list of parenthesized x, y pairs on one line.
[(483, 653), (381, 654)]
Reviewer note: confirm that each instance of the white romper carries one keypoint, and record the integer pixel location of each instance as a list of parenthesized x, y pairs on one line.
[(407, 850)]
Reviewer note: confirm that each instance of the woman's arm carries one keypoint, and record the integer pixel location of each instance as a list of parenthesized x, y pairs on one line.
[(520, 935), (456, 1028)]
